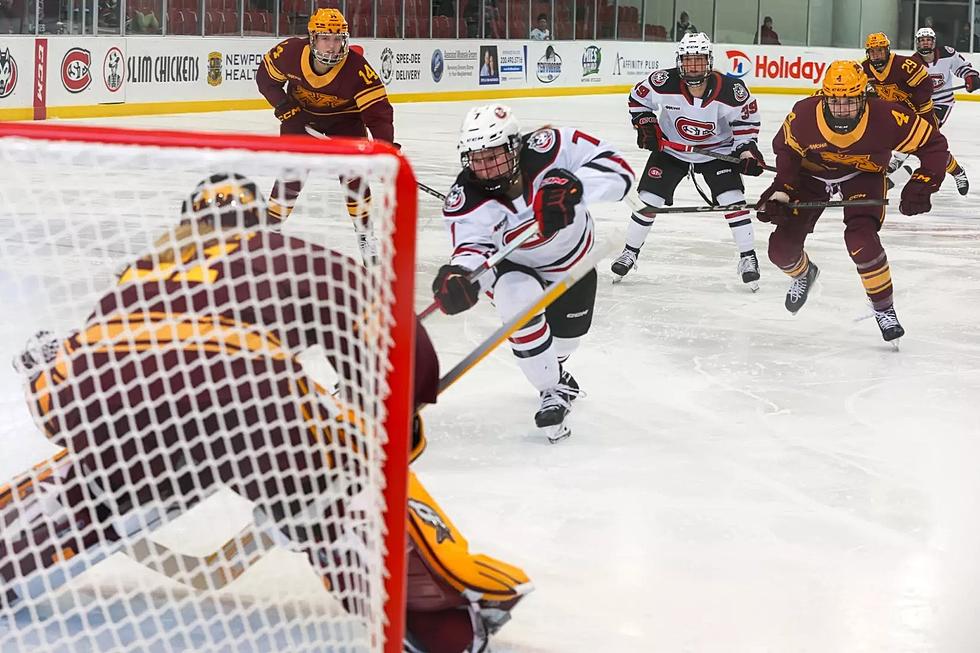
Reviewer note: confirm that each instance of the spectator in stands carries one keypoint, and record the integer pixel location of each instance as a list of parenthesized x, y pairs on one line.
[(444, 8), (766, 34), (541, 32), (684, 26), (491, 18), (147, 23), (471, 16), (963, 38), (108, 13), (12, 16)]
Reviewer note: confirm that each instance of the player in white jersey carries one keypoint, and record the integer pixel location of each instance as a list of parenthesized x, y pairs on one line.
[(510, 183), (698, 107), (943, 64)]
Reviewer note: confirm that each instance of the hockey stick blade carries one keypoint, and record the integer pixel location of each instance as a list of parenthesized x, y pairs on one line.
[(315, 133), (545, 299), (491, 262), (652, 211)]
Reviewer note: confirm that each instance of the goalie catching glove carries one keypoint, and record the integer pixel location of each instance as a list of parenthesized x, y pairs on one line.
[(647, 131), (750, 160), (454, 292), (554, 205)]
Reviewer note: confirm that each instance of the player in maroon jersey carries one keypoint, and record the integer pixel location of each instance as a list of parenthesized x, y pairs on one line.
[(841, 141), (319, 82), (186, 376), (898, 78)]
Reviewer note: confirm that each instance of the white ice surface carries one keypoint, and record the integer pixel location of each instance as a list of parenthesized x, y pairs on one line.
[(738, 479)]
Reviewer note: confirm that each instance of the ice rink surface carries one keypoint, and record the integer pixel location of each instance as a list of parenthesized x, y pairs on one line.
[(738, 479)]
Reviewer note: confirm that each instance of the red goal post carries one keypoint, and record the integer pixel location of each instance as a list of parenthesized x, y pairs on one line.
[(24, 198)]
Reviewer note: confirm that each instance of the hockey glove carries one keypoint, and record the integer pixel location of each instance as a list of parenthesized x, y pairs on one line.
[(287, 109), (773, 206), (647, 131), (971, 82), (454, 292), (750, 160), (916, 194), (554, 205)]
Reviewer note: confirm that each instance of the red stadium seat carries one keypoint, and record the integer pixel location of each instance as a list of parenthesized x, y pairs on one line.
[(563, 30), (360, 26), (389, 8), (387, 27), (656, 33), (442, 27)]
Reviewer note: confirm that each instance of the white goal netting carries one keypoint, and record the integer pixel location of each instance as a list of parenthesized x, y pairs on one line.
[(197, 405)]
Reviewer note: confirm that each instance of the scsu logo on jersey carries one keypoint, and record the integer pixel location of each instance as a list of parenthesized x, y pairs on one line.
[(694, 130), (937, 81), (455, 199), (739, 62), (542, 140)]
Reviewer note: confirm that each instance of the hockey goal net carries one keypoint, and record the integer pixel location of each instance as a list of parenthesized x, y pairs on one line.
[(182, 471)]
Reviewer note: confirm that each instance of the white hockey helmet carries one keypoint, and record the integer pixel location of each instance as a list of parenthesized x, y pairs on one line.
[(490, 146), (925, 33), (695, 45)]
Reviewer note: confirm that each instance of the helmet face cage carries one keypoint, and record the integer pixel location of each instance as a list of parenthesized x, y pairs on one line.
[(498, 166), (695, 68), (225, 200), (843, 112), (925, 41), (330, 58)]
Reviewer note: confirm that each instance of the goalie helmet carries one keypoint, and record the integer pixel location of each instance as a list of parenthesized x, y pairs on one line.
[(693, 47), (844, 93), (225, 200), (925, 41), (490, 147), (878, 42), (329, 21)]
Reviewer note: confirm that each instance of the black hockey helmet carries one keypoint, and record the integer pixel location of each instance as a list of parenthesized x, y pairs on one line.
[(225, 200)]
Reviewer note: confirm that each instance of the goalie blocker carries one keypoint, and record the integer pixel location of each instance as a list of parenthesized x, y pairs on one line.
[(203, 366)]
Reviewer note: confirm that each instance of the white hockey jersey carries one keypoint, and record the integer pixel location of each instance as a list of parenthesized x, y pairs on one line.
[(723, 120), (947, 64), (479, 224)]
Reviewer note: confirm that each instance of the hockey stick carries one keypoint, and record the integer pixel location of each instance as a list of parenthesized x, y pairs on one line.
[(831, 204), (547, 297), (527, 235), (316, 133), (681, 147)]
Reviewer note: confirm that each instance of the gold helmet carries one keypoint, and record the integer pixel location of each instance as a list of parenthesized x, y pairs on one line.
[(844, 93), (877, 40), (845, 79), (328, 21), (225, 200)]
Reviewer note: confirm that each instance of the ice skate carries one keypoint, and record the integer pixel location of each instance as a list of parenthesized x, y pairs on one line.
[(962, 182), (748, 269), (556, 403), (800, 289), (891, 330), (626, 262)]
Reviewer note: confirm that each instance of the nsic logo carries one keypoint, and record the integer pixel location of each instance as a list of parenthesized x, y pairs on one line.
[(8, 73), (75, 70), (694, 130), (739, 63), (387, 65)]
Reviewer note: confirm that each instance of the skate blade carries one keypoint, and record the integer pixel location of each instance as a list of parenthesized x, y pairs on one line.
[(617, 278), (894, 344), (753, 286), (556, 433)]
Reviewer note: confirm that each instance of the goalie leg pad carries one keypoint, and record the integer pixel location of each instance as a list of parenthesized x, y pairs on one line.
[(445, 578)]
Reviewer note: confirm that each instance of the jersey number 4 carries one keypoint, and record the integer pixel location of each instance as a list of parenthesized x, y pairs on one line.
[(900, 117)]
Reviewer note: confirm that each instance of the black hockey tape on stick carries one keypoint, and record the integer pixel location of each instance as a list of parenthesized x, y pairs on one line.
[(680, 147), (527, 235), (653, 210), (315, 133), (545, 299)]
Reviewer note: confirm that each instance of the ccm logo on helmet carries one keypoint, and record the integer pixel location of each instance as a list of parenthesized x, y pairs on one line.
[(694, 130)]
